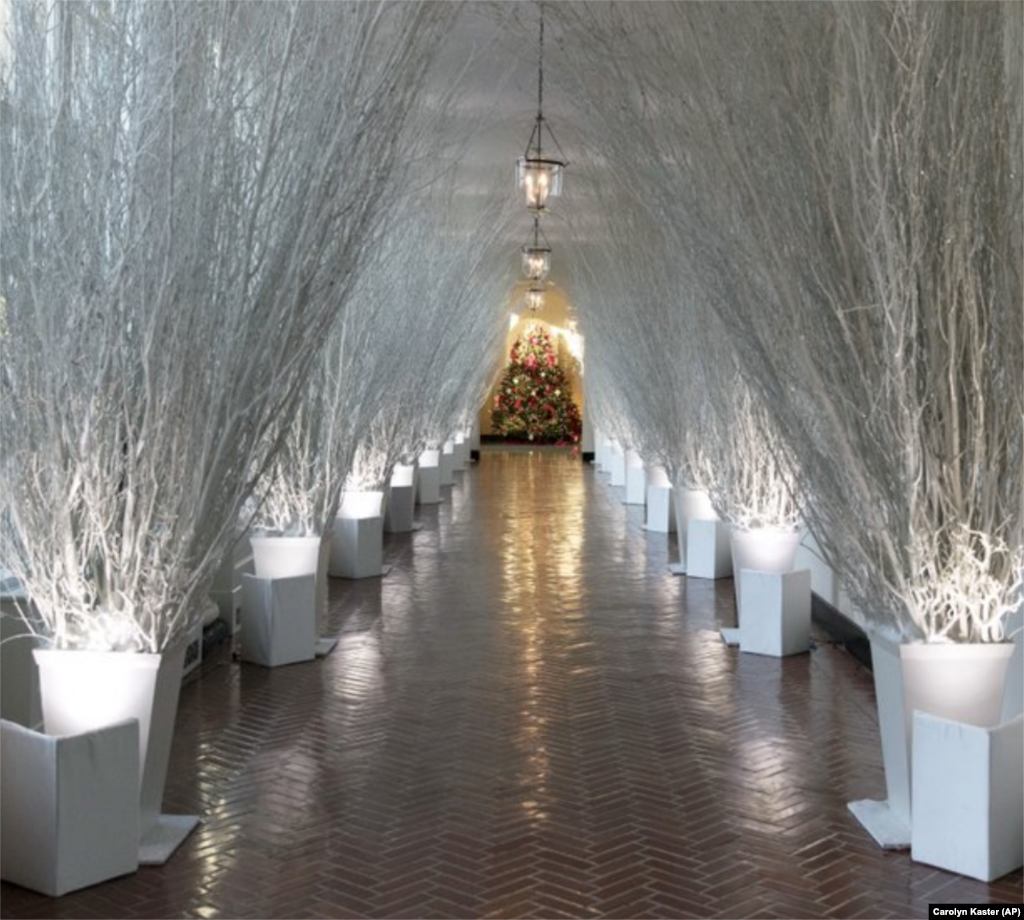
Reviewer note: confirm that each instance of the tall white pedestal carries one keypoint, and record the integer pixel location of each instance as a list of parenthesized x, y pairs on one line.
[(690, 505), (461, 453), (447, 464), (617, 465), (428, 478), (636, 479), (968, 796), (776, 616), (357, 547), (278, 620), (708, 551), (70, 807), (661, 512), (401, 502)]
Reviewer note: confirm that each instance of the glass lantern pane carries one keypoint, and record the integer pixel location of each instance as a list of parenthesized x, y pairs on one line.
[(536, 263), (534, 300), (539, 179)]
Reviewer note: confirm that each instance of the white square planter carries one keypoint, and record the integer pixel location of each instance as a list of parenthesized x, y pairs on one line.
[(661, 511), (968, 796), (708, 549), (357, 547), (636, 480), (776, 615), (401, 507), (447, 464), (428, 479), (278, 620), (70, 807)]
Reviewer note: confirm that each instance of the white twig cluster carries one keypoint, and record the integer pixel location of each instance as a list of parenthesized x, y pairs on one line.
[(967, 586), (842, 183), (404, 369), (188, 189)]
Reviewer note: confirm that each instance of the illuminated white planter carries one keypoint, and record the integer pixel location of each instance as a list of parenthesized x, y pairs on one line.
[(447, 464), (777, 613), (707, 549), (292, 557), (428, 479), (600, 452), (959, 682), (401, 504), (285, 557), (617, 465), (762, 550), (661, 509), (963, 682), (636, 479), (968, 796), (278, 620), (83, 691), (357, 538), (690, 505), (70, 807)]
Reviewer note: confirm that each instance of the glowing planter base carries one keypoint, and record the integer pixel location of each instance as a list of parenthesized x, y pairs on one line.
[(428, 480), (690, 505), (401, 501), (777, 613), (938, 679), (636, 479), (285, 557), (968, 796), (293, 557), (278, 620), (761, 551), (70, 807), (357, 539), (707, 549), (84, 691), (963, 682), (447, 464)]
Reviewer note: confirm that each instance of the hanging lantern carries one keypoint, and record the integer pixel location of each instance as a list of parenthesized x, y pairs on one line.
[(539, 175), (535, 298), (536, 258)]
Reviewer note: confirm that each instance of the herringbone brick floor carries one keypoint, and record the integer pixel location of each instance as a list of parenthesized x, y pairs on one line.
[(527, 718)]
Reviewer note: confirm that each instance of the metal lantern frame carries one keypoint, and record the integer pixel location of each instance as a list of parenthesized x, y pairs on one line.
[(536, 257), (539, 175)]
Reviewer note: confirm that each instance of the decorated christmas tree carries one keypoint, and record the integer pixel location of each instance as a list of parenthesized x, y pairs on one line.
[(534, 400)]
